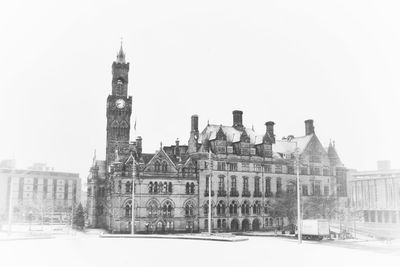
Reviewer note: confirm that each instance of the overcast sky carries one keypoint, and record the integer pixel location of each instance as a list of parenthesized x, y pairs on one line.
[(336, 62)]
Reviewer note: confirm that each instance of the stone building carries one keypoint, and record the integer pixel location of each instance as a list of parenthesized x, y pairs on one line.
[(375, 195), (248, 171), (38, 194)]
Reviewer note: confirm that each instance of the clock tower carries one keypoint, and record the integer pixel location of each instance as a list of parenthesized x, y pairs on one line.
[(119, 110)]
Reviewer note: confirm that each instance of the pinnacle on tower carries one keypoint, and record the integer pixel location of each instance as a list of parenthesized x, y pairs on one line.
[(121, 55)]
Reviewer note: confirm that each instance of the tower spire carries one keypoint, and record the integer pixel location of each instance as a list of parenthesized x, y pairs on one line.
[(121, 54)]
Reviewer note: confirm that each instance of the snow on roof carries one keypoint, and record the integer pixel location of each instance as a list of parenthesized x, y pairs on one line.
[(289, 146), (232, 134)]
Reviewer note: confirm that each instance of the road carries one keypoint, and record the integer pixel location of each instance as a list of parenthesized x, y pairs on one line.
[(89, 250)]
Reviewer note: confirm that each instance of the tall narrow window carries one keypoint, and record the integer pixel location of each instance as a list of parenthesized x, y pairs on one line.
[(35, 187), (66, 190), (45, 181), (74, 189), (192, 187), (245, 184), (304, 190), (221, 183), (257, 184), (268, 187), (128, 187), (21, 189), (170, 187), (233, 184), (164, 167), (128, 209), (55, 189), (278, 185), (157, 166)]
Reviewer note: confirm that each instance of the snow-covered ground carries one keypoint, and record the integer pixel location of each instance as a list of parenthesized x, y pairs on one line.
[(90, 250)]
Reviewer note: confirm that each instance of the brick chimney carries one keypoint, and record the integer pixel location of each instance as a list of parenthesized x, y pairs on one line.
[(237, 119), (270, 130), (177, 150), (309, 127), (194, 123)]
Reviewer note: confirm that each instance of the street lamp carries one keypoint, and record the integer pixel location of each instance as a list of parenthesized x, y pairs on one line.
[(133, 196), (299, 223), (209, 192)]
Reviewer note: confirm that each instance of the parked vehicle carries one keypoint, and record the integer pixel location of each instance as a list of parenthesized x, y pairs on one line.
[(315, 229)]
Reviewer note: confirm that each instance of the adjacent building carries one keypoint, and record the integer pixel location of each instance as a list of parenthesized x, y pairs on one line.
[(375, 195), (247, 170), (37, 193)]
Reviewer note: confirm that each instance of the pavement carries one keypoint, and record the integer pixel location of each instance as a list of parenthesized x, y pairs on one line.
[(89, 250), (201, 236)]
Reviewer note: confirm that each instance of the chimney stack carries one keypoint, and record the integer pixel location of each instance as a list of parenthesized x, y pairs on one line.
[(139, 146), (237, 118), (270, 130), (195, 123), (177, 147), (309, 127)]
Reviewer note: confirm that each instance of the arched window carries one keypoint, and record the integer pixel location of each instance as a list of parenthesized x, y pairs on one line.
[(245, 208), (164, 167), (189, 209), (245, 184), (192, 186), (165, 187), (187, 188), (233, 208), (233, 184), (223, 224), (152, 209), (167, 209), (268, 187), (170, 187), (128, 209), (257, 208), (119, 186), (156, 187), (157, 166), (205, 208), (257, 184), (128, 187), (151, 187), (221, 183), (221, 208), (100, 210)]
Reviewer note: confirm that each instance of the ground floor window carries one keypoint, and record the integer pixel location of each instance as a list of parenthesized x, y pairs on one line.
[(221, 224)]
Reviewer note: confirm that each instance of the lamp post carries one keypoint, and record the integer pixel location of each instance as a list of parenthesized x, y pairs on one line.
[(133, 196), (209, 192), (10, 206), (299, 220)]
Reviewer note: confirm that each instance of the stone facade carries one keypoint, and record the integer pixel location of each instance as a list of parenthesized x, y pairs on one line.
[(248, 171)]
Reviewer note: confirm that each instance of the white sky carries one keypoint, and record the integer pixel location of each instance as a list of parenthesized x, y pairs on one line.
[(336, 62)]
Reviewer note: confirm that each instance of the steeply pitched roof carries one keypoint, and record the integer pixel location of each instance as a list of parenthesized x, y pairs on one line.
[(289, 146)]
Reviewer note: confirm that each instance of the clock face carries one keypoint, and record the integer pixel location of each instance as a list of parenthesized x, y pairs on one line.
[(120, 103)]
